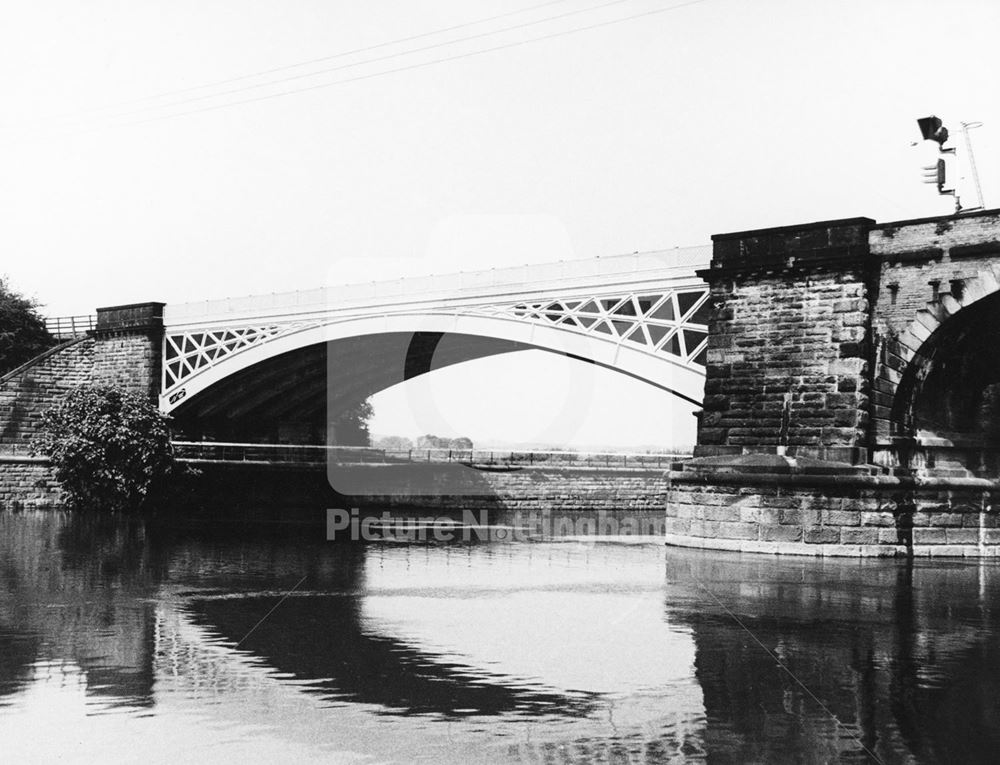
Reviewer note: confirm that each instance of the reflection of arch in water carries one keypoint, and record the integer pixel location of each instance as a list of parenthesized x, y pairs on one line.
[(894, 653), (357, 666), (249, 690)]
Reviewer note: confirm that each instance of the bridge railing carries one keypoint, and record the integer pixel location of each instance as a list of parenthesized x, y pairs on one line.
[(215, 451), (70, 327), (491, 284)]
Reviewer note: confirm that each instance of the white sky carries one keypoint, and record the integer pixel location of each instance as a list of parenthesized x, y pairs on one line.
[(656, 132)]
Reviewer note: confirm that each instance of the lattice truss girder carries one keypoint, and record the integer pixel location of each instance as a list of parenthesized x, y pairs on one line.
[(189, 352), (669, 323)]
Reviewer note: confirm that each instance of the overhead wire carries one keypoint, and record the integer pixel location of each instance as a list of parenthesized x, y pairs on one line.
[(96, 111), (355, 64), (385, 72), (341, 54)]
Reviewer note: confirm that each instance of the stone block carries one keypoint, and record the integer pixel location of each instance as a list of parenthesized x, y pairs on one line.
[(973, 520), (948, 551), (749, 514), (951, 520), (769, 515), (877, 519), (889, 537), (929, 536), (841, 518), (992, 536), (821, 535), (961, 536), (725, 513), (859, 536), (779, 533), (678, 526), (738, 530), (791, 517)]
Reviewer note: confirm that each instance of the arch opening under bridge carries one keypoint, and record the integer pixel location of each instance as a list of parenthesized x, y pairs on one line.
[(299, 378), (949, 391)]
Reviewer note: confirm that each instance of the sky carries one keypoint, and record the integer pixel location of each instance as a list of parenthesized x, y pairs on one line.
[(532, 131)]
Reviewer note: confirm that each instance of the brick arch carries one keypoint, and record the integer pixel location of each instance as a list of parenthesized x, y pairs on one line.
[(904, 362)]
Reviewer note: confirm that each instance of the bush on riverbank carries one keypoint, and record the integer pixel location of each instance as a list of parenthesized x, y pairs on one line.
[(110, 449)]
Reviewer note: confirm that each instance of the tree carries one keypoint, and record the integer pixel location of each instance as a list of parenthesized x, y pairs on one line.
[(393, 443), (110, 448), (439, 442), (350, 427), (22, 330)]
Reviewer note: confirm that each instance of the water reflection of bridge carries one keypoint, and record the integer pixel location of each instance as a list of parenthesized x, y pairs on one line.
[(183, 609), (905, 658), (897, 655), (194, 643)]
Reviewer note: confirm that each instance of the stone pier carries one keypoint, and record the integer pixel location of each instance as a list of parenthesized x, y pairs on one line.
[(852, 393)]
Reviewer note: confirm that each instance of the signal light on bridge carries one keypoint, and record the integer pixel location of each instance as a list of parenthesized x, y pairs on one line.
[(935, 174), (932, 129)]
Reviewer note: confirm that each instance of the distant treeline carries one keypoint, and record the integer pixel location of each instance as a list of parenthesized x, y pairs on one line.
[(400, 443)]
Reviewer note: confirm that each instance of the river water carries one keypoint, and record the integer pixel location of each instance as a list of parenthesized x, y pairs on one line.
[(146, 641)]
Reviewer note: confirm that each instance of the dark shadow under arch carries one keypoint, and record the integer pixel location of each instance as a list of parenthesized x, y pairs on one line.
[(950, 390), (291, 396)]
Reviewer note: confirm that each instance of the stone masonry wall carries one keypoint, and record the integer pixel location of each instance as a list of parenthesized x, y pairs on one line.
[(27, 392), (833, 520), (556, 489), (129, 360), (27, 482), (788, 344), (915, 254), (787, 366), (580, 488)]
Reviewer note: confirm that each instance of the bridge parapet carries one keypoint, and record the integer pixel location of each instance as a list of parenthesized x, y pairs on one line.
[(447, 290)]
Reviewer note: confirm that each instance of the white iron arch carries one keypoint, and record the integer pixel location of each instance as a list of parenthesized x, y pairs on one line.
[(676, 374)]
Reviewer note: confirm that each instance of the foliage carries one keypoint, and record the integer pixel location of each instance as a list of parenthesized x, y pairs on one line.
[(393, 443), (350, 427), (110, 448), (22, 331), (438, 442)]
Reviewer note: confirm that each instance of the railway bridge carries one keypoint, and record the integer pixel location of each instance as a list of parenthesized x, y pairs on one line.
[(847, 370)]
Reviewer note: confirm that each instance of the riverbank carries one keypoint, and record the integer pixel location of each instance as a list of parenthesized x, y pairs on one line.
[(29, 482)]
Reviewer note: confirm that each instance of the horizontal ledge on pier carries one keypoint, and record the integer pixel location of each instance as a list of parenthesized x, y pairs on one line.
[(819, 480), (833, 550)]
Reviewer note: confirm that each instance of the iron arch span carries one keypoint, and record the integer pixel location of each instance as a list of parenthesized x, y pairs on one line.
[(307, 373)]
